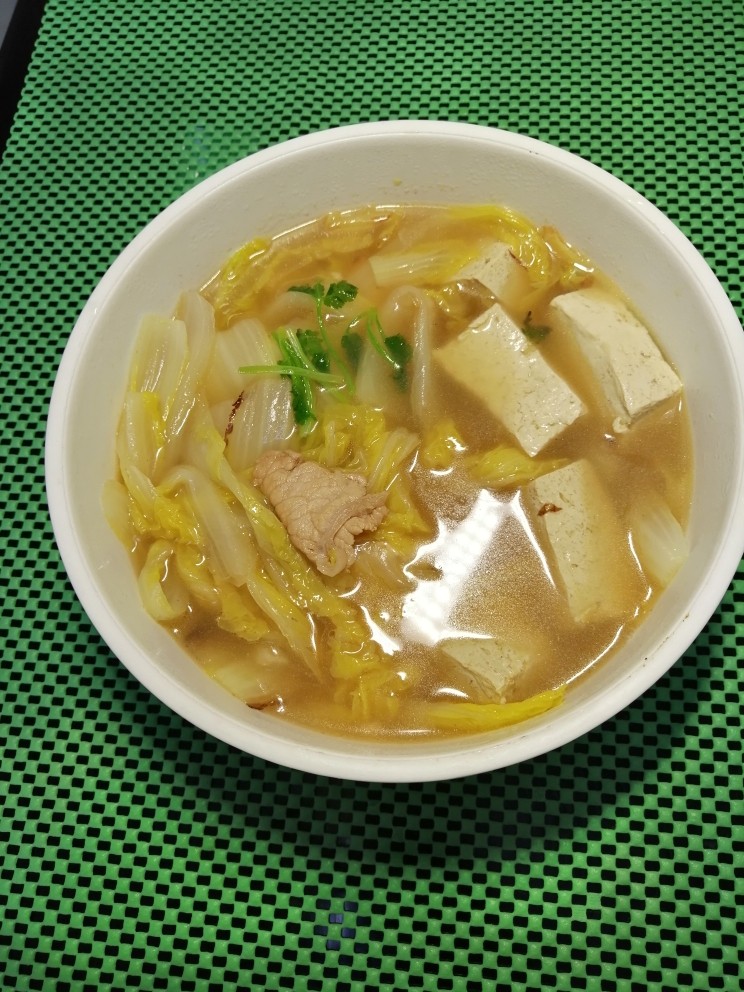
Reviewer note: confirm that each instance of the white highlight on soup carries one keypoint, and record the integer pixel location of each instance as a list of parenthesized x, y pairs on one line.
[(403, 470)]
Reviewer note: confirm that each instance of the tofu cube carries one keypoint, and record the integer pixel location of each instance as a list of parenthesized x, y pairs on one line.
[(497, 363), (491, 662), (631, 371), (499, 271), (578, 527)]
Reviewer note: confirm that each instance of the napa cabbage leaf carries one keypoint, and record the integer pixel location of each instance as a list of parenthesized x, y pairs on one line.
[(441, 445), (466, 717), (504, 467)]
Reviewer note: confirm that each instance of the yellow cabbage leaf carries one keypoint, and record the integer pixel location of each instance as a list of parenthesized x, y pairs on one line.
[(236, 615), (549, 260), (466, 717), (157, 514), (152, 585), (505, 466), (441, 445), (376, 696), (261, 265)]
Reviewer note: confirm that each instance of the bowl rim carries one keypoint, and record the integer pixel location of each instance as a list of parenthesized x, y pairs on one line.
[(479, 753)]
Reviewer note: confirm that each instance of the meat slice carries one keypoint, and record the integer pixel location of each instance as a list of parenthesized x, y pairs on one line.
[(323, 510)]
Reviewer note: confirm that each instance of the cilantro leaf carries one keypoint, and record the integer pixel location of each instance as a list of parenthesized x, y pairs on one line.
[(401, 353), (399, 348), (316, 291), (302, 371), (314, 347), (339, 293), (535, 332), (335, 297), (303, 406), (352, 344)]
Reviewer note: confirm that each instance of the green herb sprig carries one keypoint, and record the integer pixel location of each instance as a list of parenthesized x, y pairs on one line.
[(307, 356), (394, 349)]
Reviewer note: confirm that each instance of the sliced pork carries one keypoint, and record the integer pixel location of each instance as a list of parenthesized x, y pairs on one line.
[(323, 510)]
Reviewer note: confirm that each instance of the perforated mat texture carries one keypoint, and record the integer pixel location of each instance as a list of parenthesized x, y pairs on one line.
[(137, 853)]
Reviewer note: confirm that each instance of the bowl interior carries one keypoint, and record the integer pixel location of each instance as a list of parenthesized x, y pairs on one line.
[(396, 163)]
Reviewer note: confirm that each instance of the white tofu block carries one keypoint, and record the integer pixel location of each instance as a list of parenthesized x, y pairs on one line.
[(630, 369), (498, 364), (578, 528), (492, 662), (499, 271)]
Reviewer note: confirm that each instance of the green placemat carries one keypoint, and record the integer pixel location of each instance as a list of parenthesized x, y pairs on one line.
[(137, 853)]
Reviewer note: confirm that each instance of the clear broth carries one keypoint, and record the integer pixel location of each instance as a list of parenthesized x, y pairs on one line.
[(508, 592)]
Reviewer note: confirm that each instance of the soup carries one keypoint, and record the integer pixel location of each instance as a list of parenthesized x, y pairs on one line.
[(402, 470)]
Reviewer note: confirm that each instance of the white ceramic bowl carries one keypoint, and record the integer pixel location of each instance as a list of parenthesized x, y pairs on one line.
[(395, 162)]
